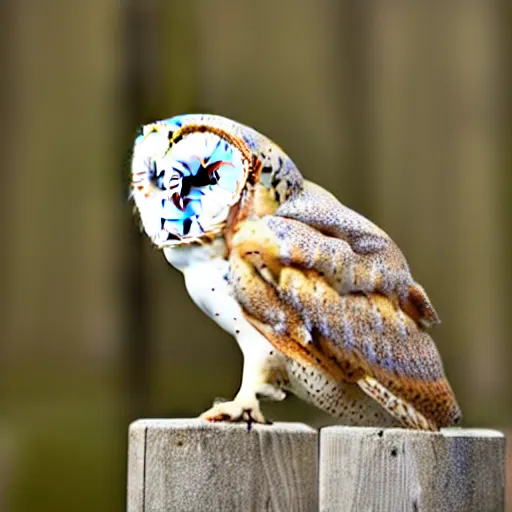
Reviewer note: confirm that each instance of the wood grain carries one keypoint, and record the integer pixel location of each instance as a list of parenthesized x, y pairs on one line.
[(397, 470), (191, 465)]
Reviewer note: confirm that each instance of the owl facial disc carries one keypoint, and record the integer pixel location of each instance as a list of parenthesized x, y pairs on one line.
[(185, 181)]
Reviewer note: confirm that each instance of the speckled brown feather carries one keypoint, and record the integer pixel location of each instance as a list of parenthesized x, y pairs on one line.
[(349, 337), (278, 321), (378, 255), (345, 303)]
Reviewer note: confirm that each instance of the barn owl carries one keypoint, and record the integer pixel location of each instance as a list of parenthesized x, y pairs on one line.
[(320, 300)]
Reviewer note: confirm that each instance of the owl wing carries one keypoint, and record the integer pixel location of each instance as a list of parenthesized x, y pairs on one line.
[(376, 262), (322, 303)]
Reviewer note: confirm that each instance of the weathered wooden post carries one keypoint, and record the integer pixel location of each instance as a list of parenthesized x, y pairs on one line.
[(397, 470), (190, 465), (194, 466)]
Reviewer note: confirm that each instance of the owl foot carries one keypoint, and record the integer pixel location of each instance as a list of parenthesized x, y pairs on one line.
[(236, 411)]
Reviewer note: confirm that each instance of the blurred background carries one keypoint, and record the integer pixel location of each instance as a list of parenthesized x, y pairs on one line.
[(402, 109)]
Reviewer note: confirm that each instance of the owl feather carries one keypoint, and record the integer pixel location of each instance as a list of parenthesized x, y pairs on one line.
[(351, 303)]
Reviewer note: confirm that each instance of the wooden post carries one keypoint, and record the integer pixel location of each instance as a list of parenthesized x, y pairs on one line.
[(397, 470), (191, 465)]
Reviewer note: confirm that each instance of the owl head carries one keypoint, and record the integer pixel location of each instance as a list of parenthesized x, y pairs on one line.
[(188, 172)]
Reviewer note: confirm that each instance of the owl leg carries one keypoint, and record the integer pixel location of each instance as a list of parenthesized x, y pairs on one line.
[(263, 375)]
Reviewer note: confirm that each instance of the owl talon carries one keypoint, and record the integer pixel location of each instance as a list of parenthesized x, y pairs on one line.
[(235, 412)]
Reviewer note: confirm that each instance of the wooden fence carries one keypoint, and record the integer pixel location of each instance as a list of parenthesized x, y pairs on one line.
[(194, 466)]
